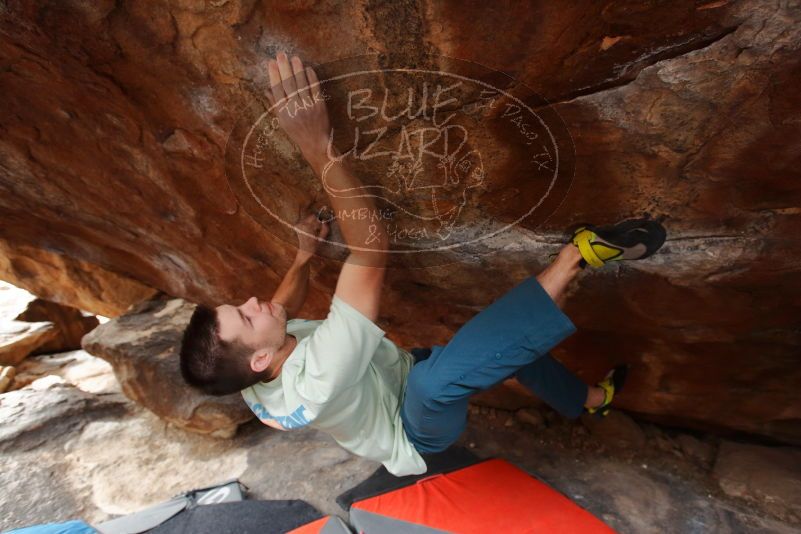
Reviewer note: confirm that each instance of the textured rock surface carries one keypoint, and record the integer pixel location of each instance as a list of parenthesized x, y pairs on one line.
[(33, 326), (7, 374), (36, 414), (76, 367), (69, 281), (142, 347), (116, 116), (71, 325), (615, 430), (770, 475), (20, 338)]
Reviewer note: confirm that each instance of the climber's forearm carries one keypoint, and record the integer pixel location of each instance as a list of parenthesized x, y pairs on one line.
[(365, 234), (292, 291), (296, 92)]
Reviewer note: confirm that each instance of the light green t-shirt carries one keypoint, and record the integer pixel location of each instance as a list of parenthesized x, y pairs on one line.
[(346, 379)]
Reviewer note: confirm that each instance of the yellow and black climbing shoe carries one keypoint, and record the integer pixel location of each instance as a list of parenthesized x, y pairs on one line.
[(611, 384), (633, 239)]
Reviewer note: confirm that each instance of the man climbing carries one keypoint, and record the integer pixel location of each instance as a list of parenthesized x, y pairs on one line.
[(341, 375)]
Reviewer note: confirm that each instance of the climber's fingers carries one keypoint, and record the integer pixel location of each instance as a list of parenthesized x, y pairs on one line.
[(314, 85), (276, 89), (300, 81), (287, 76), (323, 232), (270, 98)]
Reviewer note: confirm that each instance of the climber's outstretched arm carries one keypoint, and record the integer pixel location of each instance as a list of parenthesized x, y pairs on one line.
[(300, 106), (291, 293)]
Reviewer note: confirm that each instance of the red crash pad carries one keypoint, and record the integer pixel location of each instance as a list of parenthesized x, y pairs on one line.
[(491, 496)]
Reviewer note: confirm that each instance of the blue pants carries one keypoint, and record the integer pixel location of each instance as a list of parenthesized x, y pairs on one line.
[(511, 337)]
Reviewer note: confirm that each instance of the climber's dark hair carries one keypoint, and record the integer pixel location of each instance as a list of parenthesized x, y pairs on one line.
[(208, 363)]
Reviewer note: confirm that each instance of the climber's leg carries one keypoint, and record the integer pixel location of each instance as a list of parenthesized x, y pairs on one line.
[(514, 331), (555, 278), (563, 391), (548, 378)]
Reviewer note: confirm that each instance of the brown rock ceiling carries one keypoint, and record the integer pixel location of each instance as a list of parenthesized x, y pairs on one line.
[(115, 118), (69, 281)]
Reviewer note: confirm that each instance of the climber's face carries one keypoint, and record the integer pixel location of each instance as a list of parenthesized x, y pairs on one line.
[(258, 324)]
